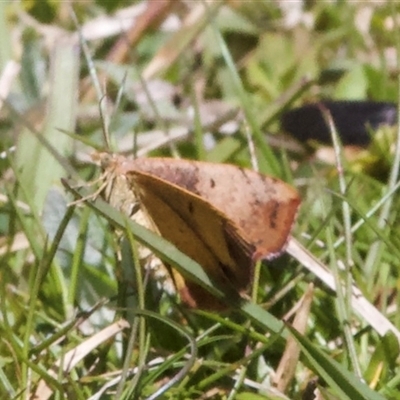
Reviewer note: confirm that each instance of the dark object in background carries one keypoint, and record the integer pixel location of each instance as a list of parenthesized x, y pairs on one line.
[(353, 121)]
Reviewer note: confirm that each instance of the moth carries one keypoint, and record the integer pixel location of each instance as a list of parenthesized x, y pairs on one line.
[(222, 216)]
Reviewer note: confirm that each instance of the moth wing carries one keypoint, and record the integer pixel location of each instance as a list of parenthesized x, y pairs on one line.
[(263, 208), (197, 228)]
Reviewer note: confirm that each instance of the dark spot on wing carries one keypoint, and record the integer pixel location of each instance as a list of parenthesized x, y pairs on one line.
[(191, 208), (185, 178), (274, 214), (212, 183)]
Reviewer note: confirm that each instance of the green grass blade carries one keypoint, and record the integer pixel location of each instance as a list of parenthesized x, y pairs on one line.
[(345, 383)]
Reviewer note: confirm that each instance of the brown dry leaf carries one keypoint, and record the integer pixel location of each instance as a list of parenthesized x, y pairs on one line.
[(155, 13), (287, 366)]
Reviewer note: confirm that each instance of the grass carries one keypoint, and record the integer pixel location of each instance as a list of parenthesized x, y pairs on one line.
[(79, 318)]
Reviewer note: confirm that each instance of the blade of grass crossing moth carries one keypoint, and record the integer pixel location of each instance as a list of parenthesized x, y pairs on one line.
[(145, 236), (183, 263)]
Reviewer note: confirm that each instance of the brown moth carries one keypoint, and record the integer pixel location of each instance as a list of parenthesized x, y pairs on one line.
[(222, 216)]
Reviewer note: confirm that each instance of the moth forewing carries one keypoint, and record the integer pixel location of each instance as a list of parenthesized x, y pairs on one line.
[(193, 225), (263, 207)]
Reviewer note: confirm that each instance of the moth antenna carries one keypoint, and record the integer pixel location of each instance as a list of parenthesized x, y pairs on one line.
[(100, 93), (88, 57), (107, 114), (120, 92), (105, 120)]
